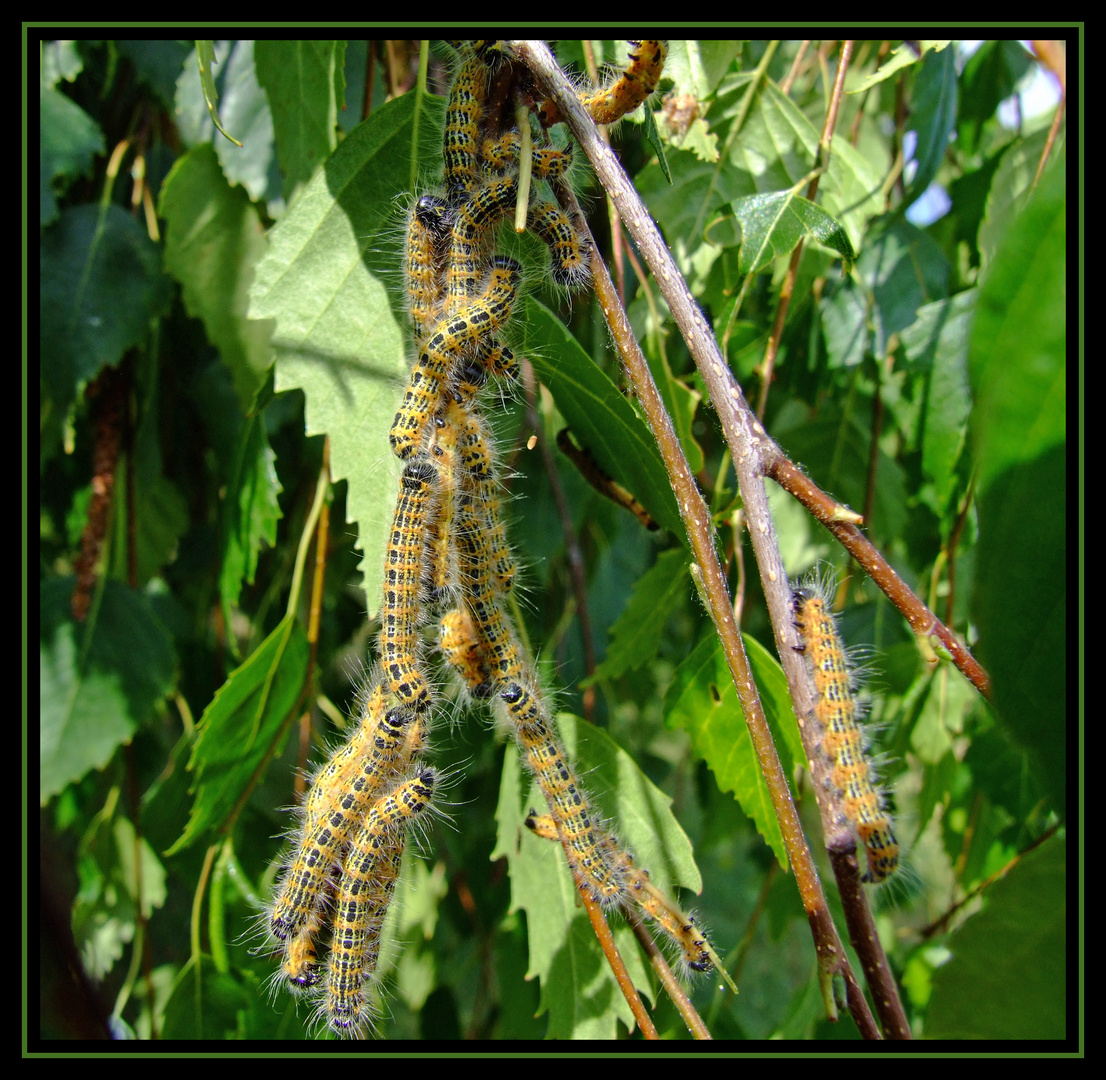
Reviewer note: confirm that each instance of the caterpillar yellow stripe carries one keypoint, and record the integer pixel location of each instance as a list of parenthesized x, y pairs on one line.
[(633, 86), (577, 825), (401, 606), (465, 118), (837, 714), (368, 880), (452, 339), (335, 805)]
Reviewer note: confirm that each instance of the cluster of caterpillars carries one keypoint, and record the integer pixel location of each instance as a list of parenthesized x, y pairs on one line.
[(448, 562)]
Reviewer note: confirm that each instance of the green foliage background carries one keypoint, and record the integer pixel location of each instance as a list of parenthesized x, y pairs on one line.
[(926, 387)]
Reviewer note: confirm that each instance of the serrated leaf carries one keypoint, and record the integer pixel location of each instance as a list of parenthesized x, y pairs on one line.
[(702, 700), (339, 332), (772, 225), (251, 510), (636, 634), (240, 727), (68, 139), (99, 681), (100, 285), (305, 87), (600, 417), (213, 242)]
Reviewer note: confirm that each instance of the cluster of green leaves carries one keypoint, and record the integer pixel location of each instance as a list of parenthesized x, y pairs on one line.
[(920, 376)]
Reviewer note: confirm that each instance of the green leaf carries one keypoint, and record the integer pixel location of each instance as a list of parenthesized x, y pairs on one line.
[(775, 149), (305, 87), (213, 243), (938, 340), (772, 225), (251, 511), (637, 633), (339, 331), (902, 56), (703, 702), (100, 285), (205, 61), (900, 269), (1022, 928), (932, 116), (105, 911), (240, 728), (1019, 338), (100, 681), (1018, 356), (600, 417), (67, 142)]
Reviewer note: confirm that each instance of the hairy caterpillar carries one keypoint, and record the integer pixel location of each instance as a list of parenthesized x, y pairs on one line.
[(588, 853), (636, 83), (464, 118), (547, 162), (428, 233), (427, 230), (570, 262), (482, 595), (368, 879), (440, 570), (842, 740), (449, 342), (461, 649), (472, 225), (476, 459), (540, 746), (401, 609), (679, 928), (336, 803)]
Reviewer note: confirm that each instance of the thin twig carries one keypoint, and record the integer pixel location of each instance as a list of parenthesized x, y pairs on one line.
[(748, 442)]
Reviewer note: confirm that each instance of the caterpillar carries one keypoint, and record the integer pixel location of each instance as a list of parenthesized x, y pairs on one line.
[(842, 740), (637, 82), (401, 608), (482, 594), (368, 879), (570, 260), (440, 570), (679, 928), (476, 460), (472, 224), (300, 965), (583, 835), (428, 227), (336, 804), (540, 747), (464, 118), (428, 231), (450, 340), (547, 162), (461, 649)]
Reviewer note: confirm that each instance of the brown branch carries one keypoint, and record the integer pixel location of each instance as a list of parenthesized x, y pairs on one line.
[(610, 950), (752, 449)]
